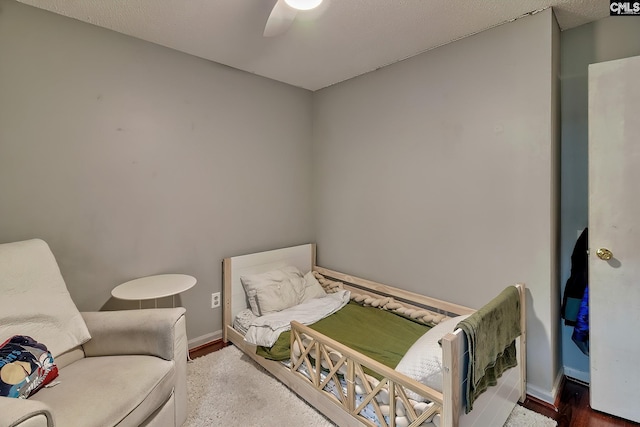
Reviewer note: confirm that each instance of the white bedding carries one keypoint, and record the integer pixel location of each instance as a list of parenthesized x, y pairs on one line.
[(265, 330), (243, 320)]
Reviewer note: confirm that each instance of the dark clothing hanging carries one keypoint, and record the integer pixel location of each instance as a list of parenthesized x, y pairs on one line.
[(575, 303), (580, 334), (577, 282)]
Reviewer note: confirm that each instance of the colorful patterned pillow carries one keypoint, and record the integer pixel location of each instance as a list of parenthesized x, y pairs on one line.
[(25, 367)]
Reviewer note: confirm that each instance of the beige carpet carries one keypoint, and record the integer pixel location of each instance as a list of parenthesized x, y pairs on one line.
[(226, 388)]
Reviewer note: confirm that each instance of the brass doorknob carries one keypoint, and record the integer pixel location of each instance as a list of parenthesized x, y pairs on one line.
[(604, 254)]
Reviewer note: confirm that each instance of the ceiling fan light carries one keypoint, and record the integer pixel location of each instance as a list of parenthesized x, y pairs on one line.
[(303, 4)]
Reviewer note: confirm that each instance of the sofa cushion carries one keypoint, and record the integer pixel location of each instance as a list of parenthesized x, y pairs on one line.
[(35, 300), (109, 391)]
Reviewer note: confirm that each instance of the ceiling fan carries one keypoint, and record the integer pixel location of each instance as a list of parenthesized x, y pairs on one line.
[(284, 13)]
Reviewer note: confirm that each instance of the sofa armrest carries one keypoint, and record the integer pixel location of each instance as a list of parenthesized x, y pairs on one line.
[(24, 413), (153, 332), (157, 332)]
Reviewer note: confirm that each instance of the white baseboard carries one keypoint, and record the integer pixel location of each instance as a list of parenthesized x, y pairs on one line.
[(548, 396), (203, 339), (577, 374), (538, 393)]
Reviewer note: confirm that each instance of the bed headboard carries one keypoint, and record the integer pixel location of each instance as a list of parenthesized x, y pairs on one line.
[(303, 257)]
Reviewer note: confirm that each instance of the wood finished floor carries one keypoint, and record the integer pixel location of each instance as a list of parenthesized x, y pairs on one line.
[(574, 410), (573, 406)]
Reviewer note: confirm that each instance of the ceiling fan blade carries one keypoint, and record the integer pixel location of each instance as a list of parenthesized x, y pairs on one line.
[(280, 19)]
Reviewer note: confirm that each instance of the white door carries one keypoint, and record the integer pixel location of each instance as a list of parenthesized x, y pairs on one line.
[(614, 224)]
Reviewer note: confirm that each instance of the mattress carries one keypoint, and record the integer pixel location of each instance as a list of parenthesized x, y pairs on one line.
[(378, 334)]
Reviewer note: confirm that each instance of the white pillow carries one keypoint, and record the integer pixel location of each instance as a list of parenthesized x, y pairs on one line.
[(312, 288), (423, 361), (274, 290)]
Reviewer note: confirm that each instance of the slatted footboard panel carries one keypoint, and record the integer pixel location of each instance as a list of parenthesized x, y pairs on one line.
[(320, 360)]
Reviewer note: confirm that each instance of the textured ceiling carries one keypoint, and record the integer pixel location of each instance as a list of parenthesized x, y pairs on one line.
[(339, 40)]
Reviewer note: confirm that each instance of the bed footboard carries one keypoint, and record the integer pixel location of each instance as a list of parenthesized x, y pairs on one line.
[(361, 384)]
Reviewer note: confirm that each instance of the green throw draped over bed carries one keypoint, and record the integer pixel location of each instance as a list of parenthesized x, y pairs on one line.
[(378, 334), (491, 333)]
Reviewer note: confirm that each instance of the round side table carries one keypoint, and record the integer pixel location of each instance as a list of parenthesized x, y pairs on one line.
[(154, 287)]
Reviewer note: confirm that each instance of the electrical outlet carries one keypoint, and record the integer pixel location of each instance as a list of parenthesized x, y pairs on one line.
[(215, 300)]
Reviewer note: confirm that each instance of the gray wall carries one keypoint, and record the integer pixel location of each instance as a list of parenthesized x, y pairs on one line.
[(439, 174), (131, 159), (604, 40)]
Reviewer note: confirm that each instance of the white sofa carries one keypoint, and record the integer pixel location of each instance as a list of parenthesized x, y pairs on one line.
[(116, 368)]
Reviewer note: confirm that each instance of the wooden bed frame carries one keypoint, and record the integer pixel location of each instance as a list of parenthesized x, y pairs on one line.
[(490, 409)]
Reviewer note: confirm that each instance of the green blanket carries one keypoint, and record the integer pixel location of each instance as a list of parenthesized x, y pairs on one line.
[(379, 334), (491, 333)]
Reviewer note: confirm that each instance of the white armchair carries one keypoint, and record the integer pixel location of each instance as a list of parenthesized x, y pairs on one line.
[(116, 368)]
